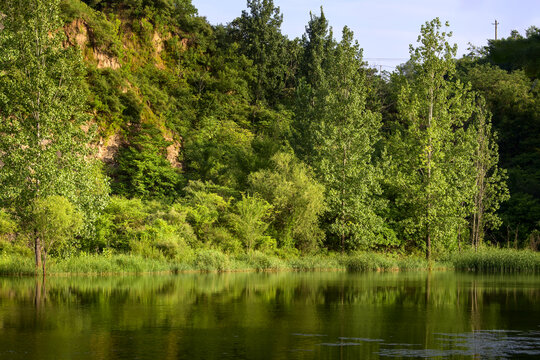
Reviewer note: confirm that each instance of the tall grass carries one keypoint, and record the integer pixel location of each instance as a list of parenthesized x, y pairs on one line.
[(498, 260), (317, 263), (210, 260), (363, 261), (16, 264), (112, 264)]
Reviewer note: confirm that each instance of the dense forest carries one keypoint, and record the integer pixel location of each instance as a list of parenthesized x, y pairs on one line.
[(138, 127)]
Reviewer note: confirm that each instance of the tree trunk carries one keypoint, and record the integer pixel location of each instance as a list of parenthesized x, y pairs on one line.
[(343, 174), (44, 262), (473, 232), (429, 155), (459, 238), (37, 251), (428, 245)]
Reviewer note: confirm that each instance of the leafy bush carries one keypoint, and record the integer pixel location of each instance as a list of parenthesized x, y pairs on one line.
[(56, 221), (249, 221), (211, 260), (297, 200), (143, 171), (262, 262), (204, 207), (224, 240)]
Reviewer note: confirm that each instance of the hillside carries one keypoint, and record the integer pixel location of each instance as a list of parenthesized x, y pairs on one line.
[(238, 139)]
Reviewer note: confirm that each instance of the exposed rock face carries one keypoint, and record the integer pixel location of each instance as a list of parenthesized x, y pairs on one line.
[(77, 34), (157, 42), (105, 61), (173, 151), (108, 148)]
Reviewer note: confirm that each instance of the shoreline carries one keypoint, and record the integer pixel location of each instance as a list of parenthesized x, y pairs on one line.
[(489, 260)]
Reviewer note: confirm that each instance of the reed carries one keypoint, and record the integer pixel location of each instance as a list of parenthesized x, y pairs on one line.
[(498, 260)]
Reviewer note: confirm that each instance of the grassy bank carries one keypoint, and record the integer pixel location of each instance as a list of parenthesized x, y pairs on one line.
[(498, 261), (209, 261), (487, 260)]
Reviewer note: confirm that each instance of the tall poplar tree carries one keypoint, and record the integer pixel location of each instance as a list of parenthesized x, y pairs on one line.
[(258, 31), (44, 148), (344, 135), (433, 153), (491, 187), (317, 46)]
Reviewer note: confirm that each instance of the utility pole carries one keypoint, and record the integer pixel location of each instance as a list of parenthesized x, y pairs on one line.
[(495, 23)]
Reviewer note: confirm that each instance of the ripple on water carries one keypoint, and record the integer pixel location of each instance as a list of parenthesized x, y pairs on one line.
[(500, 344), (308, 335)]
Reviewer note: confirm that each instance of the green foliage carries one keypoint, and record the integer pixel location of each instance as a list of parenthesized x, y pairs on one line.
[(316, 262), (55, 222), (259, 34), (317, 46), (431, 156), (297, 201), (343, 137), (211, 260), (44, 149), (221, 152), (517, 52), (150, 229), (357, 262), (249, 221), (177, 101), (205, 207), (262, 261), (514, 101), (15, 264), (143, 171), (104, 30), (106, 265), (7, 224)]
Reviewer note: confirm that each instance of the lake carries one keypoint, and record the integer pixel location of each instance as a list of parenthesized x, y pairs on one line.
[(319, 315)]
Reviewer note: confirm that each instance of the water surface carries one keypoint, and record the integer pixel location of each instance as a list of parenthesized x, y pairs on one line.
[(334, 315)]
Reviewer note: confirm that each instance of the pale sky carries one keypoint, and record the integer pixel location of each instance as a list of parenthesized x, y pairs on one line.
[(385, 28)]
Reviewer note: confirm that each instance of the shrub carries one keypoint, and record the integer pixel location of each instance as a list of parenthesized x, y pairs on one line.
[(211, 260), (297, 200), (249, 221), (260, 261), (224, 240)]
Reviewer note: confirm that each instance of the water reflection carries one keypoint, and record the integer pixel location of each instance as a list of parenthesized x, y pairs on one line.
[(271, 316)]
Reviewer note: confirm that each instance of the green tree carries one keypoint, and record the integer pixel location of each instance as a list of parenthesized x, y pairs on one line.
[(514, 102), (43, 148), (297, 200), (249, 221), (317, 46), (8, 225), (491, 187), (345, 133), (432, 154), (517, 52), (55, 221), (143, 170), (258, 31)]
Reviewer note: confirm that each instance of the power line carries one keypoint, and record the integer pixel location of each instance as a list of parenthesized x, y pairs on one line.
[(383, 59)]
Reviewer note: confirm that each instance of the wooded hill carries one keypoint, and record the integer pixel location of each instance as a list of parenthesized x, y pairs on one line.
[(238, 138)]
